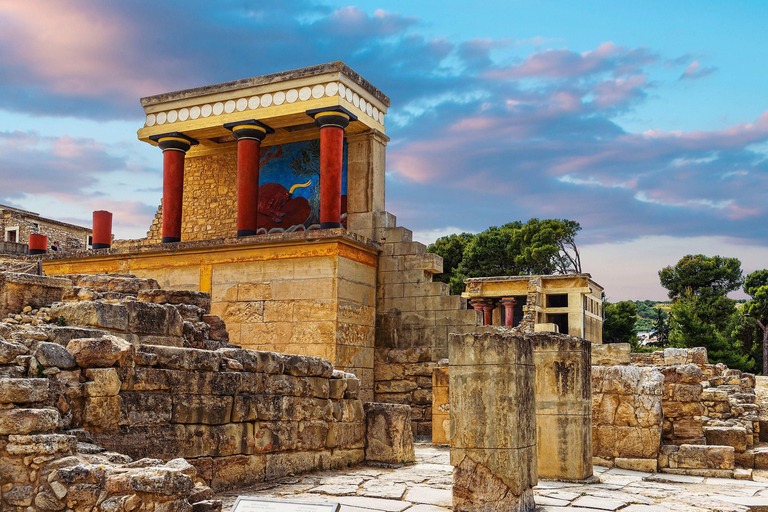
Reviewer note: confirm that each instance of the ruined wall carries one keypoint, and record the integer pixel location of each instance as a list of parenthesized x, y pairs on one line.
[(414, 316), (70, 237), (627, 416), (710, 418), (238, 416), (307, 293)]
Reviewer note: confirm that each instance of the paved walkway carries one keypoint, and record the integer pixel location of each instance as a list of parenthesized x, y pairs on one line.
[(426, 487)]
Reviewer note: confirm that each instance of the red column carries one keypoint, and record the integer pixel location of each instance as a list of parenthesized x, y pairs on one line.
[(332, 122), (480, 306), (249, 135), (102, 229), (175, 146), (488, 308), (509, 311), (38, 244)]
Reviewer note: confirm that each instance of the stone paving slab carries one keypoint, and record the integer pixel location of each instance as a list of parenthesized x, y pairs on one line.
[(426, 487)]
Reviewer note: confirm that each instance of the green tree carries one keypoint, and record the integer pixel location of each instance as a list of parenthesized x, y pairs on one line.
[(451, 249), (708, 279), (689, 328), (756, 309), (661, 327), (619, 323), (535, 247)]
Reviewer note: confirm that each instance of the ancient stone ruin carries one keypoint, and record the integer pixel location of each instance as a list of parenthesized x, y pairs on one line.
[(123, 396)]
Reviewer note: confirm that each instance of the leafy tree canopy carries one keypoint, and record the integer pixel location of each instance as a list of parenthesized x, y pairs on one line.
[(703, 275), (619, 323), (536, 247)]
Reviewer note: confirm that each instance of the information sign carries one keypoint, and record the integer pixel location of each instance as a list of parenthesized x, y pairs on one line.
[(244, 504)]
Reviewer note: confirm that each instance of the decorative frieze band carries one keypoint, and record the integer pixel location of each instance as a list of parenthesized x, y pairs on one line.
[(264, 101)]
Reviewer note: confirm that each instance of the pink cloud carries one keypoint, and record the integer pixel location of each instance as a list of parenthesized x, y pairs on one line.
[(695, 71)]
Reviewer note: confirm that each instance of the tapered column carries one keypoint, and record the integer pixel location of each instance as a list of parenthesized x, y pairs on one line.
[(249, 135), (102, 229), (175, 146), (332, 122), (486, 307), (509, 311), (38, 244)]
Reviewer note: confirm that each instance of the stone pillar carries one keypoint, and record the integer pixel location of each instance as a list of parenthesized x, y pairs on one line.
[(38, 244), (102, 229), (563, 405), (249, 135), (441, 420), (332, 122), (493, 422), (509, 311), (175, 146), (486, 307)]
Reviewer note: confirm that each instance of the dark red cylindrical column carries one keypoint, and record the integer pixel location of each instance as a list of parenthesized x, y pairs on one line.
[(173, 194), (102, 229), (249, 134), (488, 308), (479, 305), (38, 244), (509, 311), (175, 146), (331, 161), (332, 122), (248, 154)]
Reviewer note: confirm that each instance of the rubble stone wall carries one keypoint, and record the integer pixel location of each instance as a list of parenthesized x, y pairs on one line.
[(627, 416), (414, 317)]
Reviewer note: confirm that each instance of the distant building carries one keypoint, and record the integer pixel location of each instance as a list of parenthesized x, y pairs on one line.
[(571, 304), (16, 225)]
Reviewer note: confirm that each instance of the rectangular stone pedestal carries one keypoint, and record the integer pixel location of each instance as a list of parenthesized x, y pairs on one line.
[(563, 406), (493, 421)]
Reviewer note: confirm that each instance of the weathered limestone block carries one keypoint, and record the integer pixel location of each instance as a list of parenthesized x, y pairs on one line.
[(727, 436), (28, 421), (441, 418), (563, 406), (493, 420), (255, 361), (705, 457), (102, 413), (306, 366), (176, 358), (20, 391), (125, 284), (389, 437), (41, 444), (54, 355), (153, 319), (18, 291), (209, 410), (100, 352), (102, 382), (10, 350), (199, 299), (93, 314), (611, 354)]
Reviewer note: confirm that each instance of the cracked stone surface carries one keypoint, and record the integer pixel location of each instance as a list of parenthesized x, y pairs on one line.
[(426, 487)]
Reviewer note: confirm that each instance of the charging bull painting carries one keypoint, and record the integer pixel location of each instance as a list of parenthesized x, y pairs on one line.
[(289, 187)]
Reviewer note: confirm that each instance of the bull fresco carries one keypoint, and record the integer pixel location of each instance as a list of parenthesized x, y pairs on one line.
[(289, 187)]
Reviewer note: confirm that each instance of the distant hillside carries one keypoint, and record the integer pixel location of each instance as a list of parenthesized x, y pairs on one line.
[(646, 313)]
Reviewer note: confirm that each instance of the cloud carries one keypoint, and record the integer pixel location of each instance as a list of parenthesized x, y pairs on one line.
[(564, 63), (481, 134), (695, 71)]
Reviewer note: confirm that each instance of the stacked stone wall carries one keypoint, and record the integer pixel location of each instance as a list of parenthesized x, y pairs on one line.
[(710, 422), (238, 416), (627, 416), (209, 209), (414, 317)]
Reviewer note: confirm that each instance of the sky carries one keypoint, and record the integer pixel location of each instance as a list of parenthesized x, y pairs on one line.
[(645, 121)]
